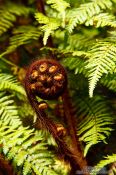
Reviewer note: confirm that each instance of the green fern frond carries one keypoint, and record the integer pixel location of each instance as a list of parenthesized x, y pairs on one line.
[(22, 35), (9, 82), (8, 14), (101, 20), (102, 61), (27, 149), (50, 25), (109, 81), (59, 6), (85, 12), (8, 110), (75, 63), (108, 160), (96, 119), (82, 40)]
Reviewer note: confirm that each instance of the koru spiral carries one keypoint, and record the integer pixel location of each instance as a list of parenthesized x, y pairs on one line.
[(46, 78)]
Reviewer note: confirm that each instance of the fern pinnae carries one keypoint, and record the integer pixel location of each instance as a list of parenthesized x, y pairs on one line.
[(102, 61), (49, 25), (108, 160), (35, 150), (26, 168), (8, 14), (109, 81), (9, 82), (61, 7), (85, 12), (96, 123), (8, 111), (22, 35), (101, 20)]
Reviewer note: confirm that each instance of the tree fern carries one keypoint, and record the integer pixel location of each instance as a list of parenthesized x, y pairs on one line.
[(108, 160), (102, 61), (8, 14), (96, 120), (83, 38), (25, 147)]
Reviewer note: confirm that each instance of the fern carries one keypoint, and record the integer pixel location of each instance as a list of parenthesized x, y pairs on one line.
[(101, 20), (9, 82), (109, 81), (75, 63), (85, 12), (8, 110), (108, 160), (50, 24), (102, 61), (83, 36), (22, 35), (60, 6), (96, 120), (27, 149), (8, 14)]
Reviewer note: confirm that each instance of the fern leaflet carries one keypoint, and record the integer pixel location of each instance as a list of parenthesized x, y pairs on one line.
[(50, 25), (96, 120), (8, 110), (9, 82), (101, 20), (8, 13), (60, 6), (27, 149), (102, 61), (108, 160), (22, 35), (85, 12)]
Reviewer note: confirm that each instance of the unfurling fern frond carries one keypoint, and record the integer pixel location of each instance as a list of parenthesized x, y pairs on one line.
[(8, 110), (22, 35), (60, 6), (96, 120), (101, 20), (102, 61), (10, 83), (85, 12), (50, 25), (8, 14), (108, 160)]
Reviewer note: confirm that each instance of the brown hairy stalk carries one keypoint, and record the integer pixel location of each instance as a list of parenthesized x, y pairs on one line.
[(5, 167), (47, 79), (71, 123)]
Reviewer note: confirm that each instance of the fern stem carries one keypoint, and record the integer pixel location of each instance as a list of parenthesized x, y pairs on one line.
[(40, 6), (5, 167), (75, 144)]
